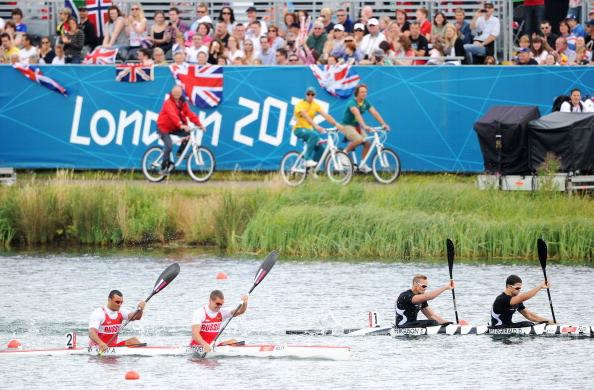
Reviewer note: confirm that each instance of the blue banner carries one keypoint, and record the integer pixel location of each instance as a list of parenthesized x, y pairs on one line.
[(105, 124)]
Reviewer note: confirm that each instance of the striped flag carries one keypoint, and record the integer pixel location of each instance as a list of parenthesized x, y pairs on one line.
[(33, 73), (101, 55), (97, 10), (337, 80), (203, 85), (133, 73)]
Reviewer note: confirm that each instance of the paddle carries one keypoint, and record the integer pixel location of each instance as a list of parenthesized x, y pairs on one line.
[(164, 279), (542, 257), (260, 275), (451, 253)]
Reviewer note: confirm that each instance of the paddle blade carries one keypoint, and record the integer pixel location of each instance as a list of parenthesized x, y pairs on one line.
[(265, 268), (542, 253), (166, 277), (451, 252)]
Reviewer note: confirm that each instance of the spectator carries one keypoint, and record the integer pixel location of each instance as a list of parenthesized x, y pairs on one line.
[(392, 34), (202, 58), (366, 14), (63, 15), (523, 43), (370, 42), (351, 54), (580, 43), (233, 50), (401, 21), (582, 56), (294, 60), (115, 34), (177, 25), (221, 33), (524, 57), (550, 60), (438, 28), (10, 29), (239, 34), (565, 32), (137, 30), (159, 56), (317, 39), (215, 51), (331, 60), (540, 50), (343, 18), (179, 45), (8, 49), (384, 22), (88, 29), (222, 60), (73, 41), (144, 57), (267, 55), (490, 60), (226, 15), (358, 33), (534, 12), (239, 61), (576, 28), (291, 44), (326, 16), (403, 52), (424, 24), (179, 59), (2, 24), (46, 53), (419, 43), (487, 27), (252, 16), (549, 35), (60, 57), (289, 20), (254, 34), (453, 45), (462, 26), (436, 53), (203, 17), (282, 57), (17, 18), (34, 59), (161, 33), (27, 50), (590, 37), (249, 52), (204, 32), (575, 104), (574, 9), (566, 55), (197, 47), (274, 39), (336, 41)]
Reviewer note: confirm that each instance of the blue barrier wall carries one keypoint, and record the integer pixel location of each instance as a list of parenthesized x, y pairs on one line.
[(106, 124)]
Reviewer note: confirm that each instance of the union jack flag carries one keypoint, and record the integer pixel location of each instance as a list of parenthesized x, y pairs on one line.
[(33, 73), (203, 85), (337, 80), (101, 55), (97, 10), (132, 73)]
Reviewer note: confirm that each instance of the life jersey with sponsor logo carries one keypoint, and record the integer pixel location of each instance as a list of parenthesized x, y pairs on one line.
[(210, 326), (503, 310), (109, 327), (406, 311)]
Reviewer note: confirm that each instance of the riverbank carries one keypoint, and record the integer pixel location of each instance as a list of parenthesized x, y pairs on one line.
[(408, 220)]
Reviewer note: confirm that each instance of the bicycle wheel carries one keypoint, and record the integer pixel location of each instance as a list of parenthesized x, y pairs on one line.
[(201, 164), (292, 169), (151, 164), (339, 167), (386, 166)]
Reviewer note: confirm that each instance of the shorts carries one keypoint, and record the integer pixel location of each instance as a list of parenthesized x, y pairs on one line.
[(354, 133)]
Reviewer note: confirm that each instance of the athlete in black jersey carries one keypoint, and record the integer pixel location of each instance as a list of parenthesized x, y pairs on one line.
[(410, 302), (510, 300)]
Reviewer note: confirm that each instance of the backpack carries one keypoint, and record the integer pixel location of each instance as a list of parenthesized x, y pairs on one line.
[(559, 100)]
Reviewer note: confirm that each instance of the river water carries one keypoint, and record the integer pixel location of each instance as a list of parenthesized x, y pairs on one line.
[(45, 296)]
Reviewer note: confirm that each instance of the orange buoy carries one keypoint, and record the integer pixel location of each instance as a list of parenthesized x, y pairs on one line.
[(221, 276), (463, 322), (14, 344), (132, 375)]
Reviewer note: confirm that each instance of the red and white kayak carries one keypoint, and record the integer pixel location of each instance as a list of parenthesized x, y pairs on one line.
[(247, 350)]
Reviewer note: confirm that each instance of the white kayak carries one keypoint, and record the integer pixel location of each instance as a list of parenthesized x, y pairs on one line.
[(253, 350)]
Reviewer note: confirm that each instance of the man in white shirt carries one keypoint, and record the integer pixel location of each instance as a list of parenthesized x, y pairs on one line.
[(253, 16), (370, 42), (105, 322), (254, 34), (486, 28), (27, 50), (197, 46), (203, 17), (575, 104)]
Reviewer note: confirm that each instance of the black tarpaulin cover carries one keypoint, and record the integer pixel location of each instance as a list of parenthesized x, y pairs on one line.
[(512, 123), (568, 135)]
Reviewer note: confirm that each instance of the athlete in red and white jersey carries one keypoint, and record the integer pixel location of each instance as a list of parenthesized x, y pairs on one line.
[(106, 321), (207, 321)]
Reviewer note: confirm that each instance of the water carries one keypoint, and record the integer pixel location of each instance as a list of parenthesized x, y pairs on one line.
[(45, 296)]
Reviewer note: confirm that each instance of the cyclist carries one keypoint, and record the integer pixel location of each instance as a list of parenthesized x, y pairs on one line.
[(355, 126), (173, 120), (305, 111)]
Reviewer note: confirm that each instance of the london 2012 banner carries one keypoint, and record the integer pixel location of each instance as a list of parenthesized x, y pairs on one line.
[(105, 124)]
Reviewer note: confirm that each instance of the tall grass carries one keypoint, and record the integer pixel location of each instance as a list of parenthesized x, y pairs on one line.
[(408, 220)]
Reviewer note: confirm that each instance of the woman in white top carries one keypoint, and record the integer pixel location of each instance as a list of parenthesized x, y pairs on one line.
[(233, 51), (115, 31), (539, 51), (60, 57), (136, 29)]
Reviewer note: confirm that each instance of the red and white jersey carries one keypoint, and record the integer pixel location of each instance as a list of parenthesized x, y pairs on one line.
[(210, 322), (107, 322)]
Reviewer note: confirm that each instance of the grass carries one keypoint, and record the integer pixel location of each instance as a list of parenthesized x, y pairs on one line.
[(408, 220)]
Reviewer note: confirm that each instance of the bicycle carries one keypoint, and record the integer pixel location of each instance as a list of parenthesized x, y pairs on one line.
[(200, 162), (338, 165), (385, 164)]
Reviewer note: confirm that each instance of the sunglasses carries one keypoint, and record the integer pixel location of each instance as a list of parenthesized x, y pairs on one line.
[(422, 285), (358, 29), (311, 94), (516, 288)]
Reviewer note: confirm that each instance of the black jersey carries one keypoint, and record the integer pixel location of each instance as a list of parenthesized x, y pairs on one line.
[(406, 311), (502, 311)]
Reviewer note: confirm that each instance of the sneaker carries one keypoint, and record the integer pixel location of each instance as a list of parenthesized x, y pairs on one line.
[(310, 163), (364, 168)]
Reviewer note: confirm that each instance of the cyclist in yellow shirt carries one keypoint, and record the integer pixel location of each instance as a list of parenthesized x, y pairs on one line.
[(305, 111)]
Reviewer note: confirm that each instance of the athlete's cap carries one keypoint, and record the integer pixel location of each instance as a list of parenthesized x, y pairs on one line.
[(359, 26), (339, 26), (310, 89), (373, 22), (251, 9)]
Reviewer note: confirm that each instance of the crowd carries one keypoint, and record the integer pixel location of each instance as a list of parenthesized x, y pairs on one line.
[(328, 38)]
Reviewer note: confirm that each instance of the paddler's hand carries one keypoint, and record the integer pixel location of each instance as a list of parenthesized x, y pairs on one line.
[(450, 285), (244, 299), (141, 305), (207, 348), (102, 347), (544, 285)]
